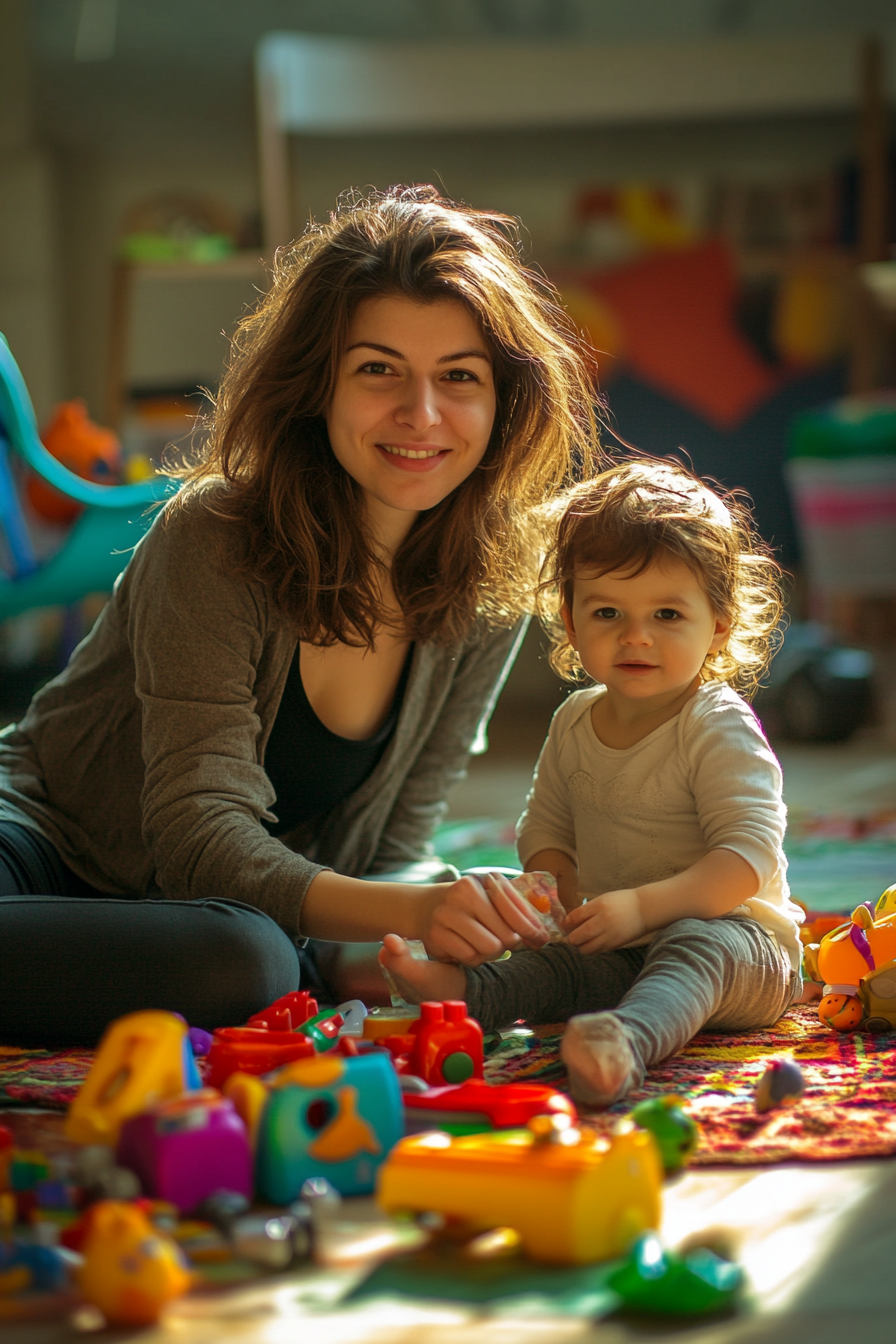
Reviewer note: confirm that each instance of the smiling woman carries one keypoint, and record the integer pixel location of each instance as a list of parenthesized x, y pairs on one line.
[(293, 667)]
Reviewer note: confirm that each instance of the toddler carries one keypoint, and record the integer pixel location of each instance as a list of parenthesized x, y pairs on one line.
[(656, 801)]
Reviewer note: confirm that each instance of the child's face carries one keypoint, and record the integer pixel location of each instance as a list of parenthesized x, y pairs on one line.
[(645, 635)]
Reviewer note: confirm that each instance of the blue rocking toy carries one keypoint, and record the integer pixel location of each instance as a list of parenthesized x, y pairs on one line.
[(100, 542)]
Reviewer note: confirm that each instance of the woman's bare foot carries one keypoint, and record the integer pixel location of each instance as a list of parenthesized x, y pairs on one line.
[(598, 1055), (419, 980)]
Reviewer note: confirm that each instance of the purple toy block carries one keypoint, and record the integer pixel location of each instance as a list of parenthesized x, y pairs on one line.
[(188, 1147)]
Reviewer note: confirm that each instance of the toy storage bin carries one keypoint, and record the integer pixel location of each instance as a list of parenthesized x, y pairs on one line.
[(842, 478)]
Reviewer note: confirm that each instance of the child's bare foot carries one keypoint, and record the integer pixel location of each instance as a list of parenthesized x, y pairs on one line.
[(598, 1055), (419, 980)]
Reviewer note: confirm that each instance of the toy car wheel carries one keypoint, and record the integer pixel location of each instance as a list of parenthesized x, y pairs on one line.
[(458, 1067), (877, 1024)]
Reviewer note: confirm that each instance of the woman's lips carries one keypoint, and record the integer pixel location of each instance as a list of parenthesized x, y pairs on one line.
[(397, 455)]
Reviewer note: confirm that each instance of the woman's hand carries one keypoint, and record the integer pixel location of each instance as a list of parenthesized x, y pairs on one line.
[(606, 922), (475, 919)]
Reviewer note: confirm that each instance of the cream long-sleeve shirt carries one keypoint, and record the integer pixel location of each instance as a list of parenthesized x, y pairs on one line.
[(705, 780)]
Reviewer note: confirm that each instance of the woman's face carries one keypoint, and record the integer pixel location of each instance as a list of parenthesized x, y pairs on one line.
[(413, 408)]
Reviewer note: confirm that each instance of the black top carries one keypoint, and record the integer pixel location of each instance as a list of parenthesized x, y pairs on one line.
[(311, 768)]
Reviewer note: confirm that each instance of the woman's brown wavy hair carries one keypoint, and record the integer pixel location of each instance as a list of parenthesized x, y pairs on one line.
[(471, 556), (635, 513)]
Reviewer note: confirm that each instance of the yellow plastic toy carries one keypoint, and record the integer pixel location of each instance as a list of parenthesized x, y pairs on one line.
[(140, 1060), (130, 1270), (857, 965), (573, 1197), (249, 1096)]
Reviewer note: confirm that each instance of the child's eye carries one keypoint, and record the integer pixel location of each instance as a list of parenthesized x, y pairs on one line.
[(668, 614), (606, 613)]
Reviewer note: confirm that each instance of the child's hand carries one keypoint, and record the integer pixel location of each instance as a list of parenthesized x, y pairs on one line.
[(605, 922)]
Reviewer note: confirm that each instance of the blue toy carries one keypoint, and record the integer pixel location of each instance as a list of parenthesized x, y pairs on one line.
[(99, 544), (332, 1116)]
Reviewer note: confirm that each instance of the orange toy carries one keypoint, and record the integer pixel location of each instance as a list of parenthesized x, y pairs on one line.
[(86, 449), (443, 1046), (130, 1271), (857, 963)]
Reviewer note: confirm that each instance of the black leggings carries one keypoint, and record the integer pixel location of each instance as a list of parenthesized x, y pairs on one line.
[(73, 958)]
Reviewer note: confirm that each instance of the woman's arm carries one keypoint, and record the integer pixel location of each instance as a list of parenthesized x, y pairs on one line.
[(471, 920), (715, 885)]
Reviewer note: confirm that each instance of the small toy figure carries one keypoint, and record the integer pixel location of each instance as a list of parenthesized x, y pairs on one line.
[(675, 1132), (86, 449), (141, 1059), (857, 964), (130, 1270), (782, 1084), (573, 1197), (443, 1046), (329, 1116), (185, 1148)]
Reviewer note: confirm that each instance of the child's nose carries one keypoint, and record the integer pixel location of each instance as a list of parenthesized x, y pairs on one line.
[(635, 632)]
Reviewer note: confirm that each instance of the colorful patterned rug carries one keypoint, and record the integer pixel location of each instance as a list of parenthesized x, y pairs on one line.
[(848, 1111)]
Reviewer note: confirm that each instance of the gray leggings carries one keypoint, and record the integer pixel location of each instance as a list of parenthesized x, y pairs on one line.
[(725, 974)]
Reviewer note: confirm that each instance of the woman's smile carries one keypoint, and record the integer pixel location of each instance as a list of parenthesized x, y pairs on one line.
[(414, 406)]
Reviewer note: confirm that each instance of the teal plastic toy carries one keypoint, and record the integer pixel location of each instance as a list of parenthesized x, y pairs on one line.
[(98, 545), (331, 1115)]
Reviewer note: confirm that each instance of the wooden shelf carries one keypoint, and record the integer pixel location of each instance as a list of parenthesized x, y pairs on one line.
[(238, 266)]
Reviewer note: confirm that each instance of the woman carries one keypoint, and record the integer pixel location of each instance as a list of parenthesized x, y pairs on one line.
[(294, 664)]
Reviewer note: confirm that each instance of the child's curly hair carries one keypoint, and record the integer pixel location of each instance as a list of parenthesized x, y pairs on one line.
[(629, 516)]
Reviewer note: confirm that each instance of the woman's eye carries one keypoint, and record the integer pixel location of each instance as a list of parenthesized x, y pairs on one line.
[(668, 614), (460, 376), (374, 366)]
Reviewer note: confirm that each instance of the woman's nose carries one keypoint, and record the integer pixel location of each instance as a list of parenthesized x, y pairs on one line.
[(418, 408)]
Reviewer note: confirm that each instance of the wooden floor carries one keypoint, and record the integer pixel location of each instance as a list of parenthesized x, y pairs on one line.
[(818, 1245)]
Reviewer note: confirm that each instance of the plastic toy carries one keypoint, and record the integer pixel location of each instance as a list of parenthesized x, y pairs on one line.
[(443, 1046), (476, 1107), (100, 542), (381, 1022), (24, 1266), (186, 1148), (857, 964), (249, 1096), (573, 1197), (329, 1116), (86, 449), (286, 1013), (540, 890), (656, 1280), (323, 1029), (130, 1270), (253, 1050), (675, 1132), (782, 1084), (141, 1059)]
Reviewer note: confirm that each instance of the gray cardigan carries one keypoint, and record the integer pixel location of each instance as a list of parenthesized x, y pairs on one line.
[(143, 762)]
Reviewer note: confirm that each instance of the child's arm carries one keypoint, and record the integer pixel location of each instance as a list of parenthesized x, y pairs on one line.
[(714, 885), (564, 869)]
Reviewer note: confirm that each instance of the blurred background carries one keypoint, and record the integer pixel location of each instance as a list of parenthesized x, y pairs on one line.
[(711, 184)]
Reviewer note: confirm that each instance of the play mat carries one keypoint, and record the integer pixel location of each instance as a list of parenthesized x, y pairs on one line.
[(848, 1111)]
